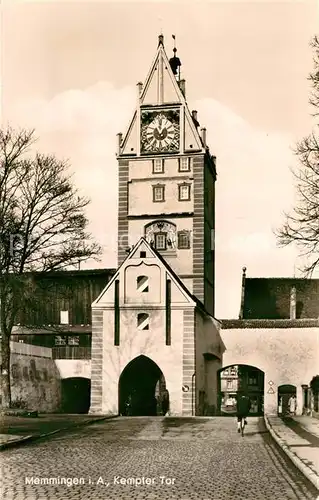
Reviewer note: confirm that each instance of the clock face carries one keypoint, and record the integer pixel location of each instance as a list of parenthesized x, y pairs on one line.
[(160, 131)]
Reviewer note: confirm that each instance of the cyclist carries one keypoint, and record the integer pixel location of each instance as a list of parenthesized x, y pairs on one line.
[(243, 408)]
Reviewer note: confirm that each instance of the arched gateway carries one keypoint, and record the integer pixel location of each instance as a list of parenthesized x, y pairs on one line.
[(142, 389), (284, 394), (240, 378), (75, 395)]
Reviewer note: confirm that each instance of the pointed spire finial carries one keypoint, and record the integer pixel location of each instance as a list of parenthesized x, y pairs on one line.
[(161, 40)]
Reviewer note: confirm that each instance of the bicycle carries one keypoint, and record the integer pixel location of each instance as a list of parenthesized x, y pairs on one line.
[(243, 424)]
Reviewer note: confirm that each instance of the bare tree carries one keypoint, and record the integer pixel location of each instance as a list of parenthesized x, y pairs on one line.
[(302, 225), (42, 228)]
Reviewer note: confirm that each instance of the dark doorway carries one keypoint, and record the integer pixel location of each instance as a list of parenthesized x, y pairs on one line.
[(240, 378), (285, 392), (142, 389), (76, 395)]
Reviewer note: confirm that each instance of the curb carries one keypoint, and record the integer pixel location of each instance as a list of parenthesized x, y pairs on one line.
[(304, 469), (34, 437)]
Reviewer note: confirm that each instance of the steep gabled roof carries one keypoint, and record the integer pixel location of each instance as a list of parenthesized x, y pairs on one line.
[(192, 298), (161, 89), (146, 245)]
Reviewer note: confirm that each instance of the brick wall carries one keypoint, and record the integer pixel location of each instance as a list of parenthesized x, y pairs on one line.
[(198, 228), (97, 362), (122, 210)]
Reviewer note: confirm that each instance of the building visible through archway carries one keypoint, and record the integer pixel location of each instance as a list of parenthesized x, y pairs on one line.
[(142, 389), (285, 392), (241, 378)]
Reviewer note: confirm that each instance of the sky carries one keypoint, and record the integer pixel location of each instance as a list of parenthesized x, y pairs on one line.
[(69, 70)]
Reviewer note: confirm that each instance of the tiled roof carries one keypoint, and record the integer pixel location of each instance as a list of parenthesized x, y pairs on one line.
[(227, 324), (269, 298)]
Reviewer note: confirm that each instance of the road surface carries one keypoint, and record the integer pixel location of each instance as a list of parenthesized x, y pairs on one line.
[(154, 458)]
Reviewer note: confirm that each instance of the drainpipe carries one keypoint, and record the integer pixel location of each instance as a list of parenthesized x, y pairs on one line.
[(193, 388)]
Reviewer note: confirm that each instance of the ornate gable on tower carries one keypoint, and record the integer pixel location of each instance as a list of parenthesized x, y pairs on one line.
[(166, 180), (144, 271), (162, 122)]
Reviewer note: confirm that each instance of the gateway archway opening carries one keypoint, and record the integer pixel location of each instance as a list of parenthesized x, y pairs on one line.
[(235, 379), (76, 393), (142, 389), (285, 392)]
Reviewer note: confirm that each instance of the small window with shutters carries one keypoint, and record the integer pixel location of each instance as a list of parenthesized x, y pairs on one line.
[(158, 166), (160, 241), (183, 238), (158, 193), (184, 192), (184, 164), (142, 283), (143, 321)]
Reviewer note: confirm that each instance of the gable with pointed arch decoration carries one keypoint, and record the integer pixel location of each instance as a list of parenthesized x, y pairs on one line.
[(140, 278), (142, 389)]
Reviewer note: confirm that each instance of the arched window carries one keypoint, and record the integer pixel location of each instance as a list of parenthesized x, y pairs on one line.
[(143, 321), (161, 235), (142, 283)]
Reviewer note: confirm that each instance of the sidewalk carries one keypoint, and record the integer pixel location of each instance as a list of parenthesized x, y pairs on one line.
[(18, 430), (299, 438)]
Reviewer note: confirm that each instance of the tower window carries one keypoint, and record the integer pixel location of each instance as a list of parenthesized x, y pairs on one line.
[(184, 164), (142, 283), (160, 241), (143, 321), (184, 192), (183, 239), (158, 193), (158, 166)]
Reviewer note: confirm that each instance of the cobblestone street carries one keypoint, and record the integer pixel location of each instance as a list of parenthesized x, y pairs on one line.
[(196, 458)]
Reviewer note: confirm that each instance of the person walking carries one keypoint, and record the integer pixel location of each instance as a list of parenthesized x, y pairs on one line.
[(128, 406), (243, 408), (165, 402), (292, 405)]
